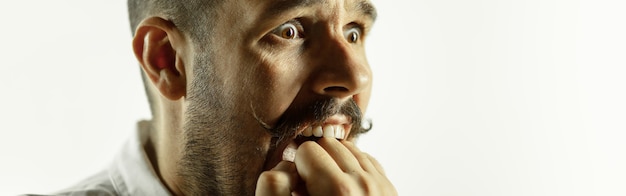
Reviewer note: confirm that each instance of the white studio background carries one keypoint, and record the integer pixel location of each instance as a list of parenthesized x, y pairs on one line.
[(471, 98)]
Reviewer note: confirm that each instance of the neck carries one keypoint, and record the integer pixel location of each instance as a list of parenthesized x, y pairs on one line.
[(164, 147)]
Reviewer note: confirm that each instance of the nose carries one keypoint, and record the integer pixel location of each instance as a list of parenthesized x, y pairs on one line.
[(342, 70)]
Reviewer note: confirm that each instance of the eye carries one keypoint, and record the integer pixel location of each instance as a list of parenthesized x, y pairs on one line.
[(289, 30), (353, 35)]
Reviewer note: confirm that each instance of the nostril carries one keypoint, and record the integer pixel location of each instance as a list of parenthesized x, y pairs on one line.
[(336, 89)]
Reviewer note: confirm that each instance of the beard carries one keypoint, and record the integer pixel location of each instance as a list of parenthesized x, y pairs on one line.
[(208, 165), (213, 163), (219, 157)]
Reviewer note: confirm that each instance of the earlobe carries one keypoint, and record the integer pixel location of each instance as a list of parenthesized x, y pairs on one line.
[(155, 47)]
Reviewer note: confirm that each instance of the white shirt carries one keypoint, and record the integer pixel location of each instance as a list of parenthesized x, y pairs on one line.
[(130, 173)]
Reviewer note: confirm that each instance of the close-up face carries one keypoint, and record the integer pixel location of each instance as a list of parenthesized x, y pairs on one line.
[(274, 73)]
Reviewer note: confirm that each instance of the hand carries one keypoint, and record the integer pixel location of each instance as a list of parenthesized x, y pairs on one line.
[(328, 167)]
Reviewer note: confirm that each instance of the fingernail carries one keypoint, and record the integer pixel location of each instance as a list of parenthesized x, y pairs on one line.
[(289, 154)]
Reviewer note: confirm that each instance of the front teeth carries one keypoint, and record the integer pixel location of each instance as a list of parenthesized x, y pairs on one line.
[(317, 131), (308, 132), (330, 131)]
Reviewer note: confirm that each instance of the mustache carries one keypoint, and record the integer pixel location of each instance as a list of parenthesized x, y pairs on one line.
[(316, 112)]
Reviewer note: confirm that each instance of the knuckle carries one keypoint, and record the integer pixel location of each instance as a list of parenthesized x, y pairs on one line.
[(369, 185), (308, 145), (345, 186), (272, 179), (363, 158), (342, 187)]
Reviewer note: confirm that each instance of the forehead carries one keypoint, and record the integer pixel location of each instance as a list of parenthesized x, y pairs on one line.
[(363, 7), (248, 20)]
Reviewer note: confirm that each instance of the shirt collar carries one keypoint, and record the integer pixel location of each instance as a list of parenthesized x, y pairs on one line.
[(131, 172)]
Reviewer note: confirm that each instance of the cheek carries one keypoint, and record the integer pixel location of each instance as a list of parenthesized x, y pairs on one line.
[(276, 81), (363, 99)]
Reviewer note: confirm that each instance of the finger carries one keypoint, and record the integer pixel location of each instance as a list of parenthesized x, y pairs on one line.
[(376, 164), (317, 169), (341, 155), (281, 180), (372, 166), (311, 157), (363, 158)]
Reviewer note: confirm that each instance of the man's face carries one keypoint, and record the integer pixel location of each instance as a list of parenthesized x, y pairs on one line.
[(272, 70)]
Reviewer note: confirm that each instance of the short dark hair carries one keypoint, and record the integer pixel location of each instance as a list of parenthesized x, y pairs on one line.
[(191, 16)]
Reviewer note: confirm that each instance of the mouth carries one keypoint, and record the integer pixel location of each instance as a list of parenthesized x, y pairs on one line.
[(337, 126)]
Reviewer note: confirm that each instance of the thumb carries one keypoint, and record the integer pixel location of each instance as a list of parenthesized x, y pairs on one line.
[(281, 180)]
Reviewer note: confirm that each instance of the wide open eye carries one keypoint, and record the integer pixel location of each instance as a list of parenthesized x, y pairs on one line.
[(289, 30), (353, 34)]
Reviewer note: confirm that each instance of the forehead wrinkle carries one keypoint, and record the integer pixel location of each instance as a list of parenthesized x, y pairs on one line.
[(281, 6)]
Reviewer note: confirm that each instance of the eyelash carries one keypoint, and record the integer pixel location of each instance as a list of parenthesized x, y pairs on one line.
[(358, 28), (293, 29)]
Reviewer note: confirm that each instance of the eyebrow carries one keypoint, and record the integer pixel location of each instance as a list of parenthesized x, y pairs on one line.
[(366, 8)]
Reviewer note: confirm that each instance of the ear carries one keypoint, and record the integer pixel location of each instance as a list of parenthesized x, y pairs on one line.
[(158, 46)]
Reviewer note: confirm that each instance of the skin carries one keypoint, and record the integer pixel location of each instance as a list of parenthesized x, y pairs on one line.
[(217, 101)]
